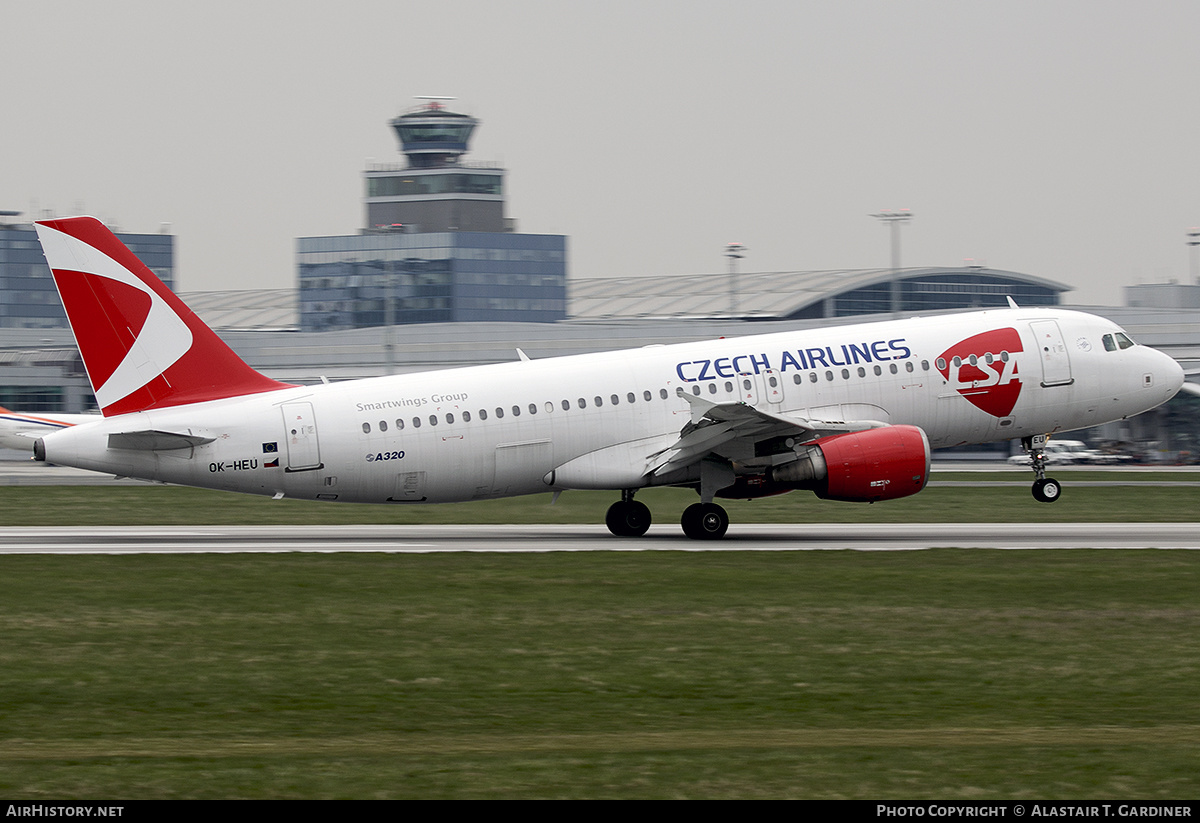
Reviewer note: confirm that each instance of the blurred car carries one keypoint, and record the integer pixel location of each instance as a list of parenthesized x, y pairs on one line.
[(1065, 453)]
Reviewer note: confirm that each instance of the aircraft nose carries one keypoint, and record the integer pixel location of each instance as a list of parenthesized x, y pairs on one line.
[(1170, 374)]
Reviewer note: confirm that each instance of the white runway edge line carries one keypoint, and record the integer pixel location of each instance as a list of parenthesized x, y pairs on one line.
[(552, 538)]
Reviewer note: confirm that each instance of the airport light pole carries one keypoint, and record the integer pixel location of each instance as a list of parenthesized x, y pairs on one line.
[(1193, 235), (895, 219), (734, 251)]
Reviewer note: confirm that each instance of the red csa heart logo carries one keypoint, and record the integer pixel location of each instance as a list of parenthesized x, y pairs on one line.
[(983, 370)]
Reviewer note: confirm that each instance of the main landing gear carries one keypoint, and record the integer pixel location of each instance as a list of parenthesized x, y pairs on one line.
[(627, 517), (1045, 489), (700, 521), (704, 521)]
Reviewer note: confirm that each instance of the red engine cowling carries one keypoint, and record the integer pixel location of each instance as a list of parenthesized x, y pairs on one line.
[(865, 466)]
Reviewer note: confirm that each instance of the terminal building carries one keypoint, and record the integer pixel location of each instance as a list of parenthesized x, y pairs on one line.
[(810, 295)]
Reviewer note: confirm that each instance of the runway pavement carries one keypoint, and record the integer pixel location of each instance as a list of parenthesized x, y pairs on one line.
[(741, 537)]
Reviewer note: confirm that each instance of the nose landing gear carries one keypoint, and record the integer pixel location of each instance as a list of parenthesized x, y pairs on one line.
[(1045, 489)]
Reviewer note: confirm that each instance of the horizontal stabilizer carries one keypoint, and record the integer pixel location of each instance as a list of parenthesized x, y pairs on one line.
[(156, 441)]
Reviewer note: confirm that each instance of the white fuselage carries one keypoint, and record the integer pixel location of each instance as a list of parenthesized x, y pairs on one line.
[(498, 430)]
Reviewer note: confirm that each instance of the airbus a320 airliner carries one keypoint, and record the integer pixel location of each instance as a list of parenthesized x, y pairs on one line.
[(850, 413)]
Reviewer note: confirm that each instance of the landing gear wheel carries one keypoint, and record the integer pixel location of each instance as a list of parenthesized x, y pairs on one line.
[(628, 518), (704, 521), (1046, 490)]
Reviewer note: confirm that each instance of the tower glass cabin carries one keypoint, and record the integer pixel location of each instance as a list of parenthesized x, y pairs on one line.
[(435, 190)]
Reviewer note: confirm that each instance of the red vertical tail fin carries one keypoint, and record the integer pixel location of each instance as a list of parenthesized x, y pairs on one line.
[(142, 347)]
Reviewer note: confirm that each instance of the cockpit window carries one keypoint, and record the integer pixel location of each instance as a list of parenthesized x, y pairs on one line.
[(1118, 340)]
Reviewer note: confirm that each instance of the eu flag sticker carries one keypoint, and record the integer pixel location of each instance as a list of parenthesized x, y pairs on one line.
[(270, 448)]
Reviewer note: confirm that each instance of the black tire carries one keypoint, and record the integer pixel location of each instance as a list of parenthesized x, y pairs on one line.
[(630, 519), (1047, 490), (704, 521)]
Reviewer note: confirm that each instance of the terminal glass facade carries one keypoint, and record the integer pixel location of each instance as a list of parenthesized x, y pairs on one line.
[(394, 278), (933, 292)]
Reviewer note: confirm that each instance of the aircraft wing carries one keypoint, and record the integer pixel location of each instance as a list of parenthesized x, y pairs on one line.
[(742, 432)]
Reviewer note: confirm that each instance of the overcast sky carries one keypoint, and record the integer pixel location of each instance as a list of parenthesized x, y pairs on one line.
[(1059, 139)]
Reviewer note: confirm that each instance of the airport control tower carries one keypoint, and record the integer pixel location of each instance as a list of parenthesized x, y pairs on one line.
[(435, 191), (436, 246)]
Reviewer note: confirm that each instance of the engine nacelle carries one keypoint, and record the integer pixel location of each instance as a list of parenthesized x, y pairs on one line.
[(865, 466)]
